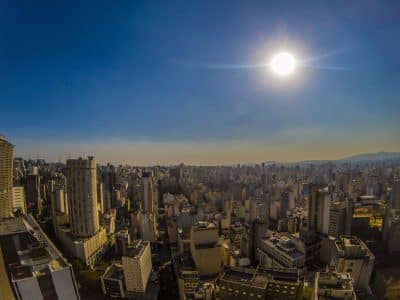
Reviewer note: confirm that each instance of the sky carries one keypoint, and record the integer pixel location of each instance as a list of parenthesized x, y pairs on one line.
[(164, 82)]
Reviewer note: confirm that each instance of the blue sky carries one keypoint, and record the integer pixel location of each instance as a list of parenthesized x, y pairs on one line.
[(78, 77)]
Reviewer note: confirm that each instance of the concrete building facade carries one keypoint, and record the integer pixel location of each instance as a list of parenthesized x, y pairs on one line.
[(6, 179)]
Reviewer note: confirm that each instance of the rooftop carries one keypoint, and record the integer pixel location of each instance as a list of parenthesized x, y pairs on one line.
[(202, 225), (352, 246), (244, 276), (26, 250), (136, 248), (115, 272), (283, 244)]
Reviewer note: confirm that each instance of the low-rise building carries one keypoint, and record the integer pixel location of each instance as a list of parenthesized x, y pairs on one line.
[(280, 250), (113, 282), (89, 250), (332, 285), (35, 267), (237, 283), (261, 283)]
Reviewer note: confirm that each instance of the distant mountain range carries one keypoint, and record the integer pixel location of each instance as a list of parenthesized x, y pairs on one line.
[(364, 157), (373, 156)]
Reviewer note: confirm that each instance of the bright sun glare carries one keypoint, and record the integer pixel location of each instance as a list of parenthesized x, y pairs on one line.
[(283, 64)]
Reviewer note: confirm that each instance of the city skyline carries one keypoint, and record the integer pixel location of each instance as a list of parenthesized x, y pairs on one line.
[(172, 84)]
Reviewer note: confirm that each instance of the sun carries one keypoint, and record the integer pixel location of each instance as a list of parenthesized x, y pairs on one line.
[(283, 64)]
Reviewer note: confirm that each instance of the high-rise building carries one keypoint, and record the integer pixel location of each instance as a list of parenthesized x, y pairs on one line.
[(137, 266), (19, 199), (319, 205), (6, 180), (396, 194), (82, 194), (351, 255), (148, 194), (204, 248), (337, 219), (33, 196), (100, 197)]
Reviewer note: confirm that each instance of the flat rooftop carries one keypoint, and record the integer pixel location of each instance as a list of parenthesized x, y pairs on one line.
[(247, 277), (26, 250), (283, 244), (136, 248), (115, 272)]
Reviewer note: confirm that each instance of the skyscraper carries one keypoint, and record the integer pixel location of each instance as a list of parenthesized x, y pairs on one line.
[(82, 193), (33, 195), (396, 194), (6, 181), (319, 204), (137, 266), (147, 193)]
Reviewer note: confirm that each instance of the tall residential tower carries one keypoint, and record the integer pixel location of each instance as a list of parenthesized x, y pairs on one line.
[(82, 192), (6, 180)]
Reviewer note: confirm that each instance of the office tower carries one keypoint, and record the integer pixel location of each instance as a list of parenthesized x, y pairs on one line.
[(204, 248), (187, 275), (82, 194), (319, 205), (392, 231), (323, 212), (251, 241), (59, 201), (333, 285), (137, 266), (108, 220), (33, 196), (6, 180), (59, 210), (146, 226), (284, 204), (351, 255), (147, 194), (19, 199), (396, 195), (236, 234), (238, 193), (34, 266), (337, 219), (100, 197)]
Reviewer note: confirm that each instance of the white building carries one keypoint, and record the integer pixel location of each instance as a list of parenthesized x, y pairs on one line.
[(37, 270), (333, 285), (351, 255), (82, 194), (137, 266), (19, 199)]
